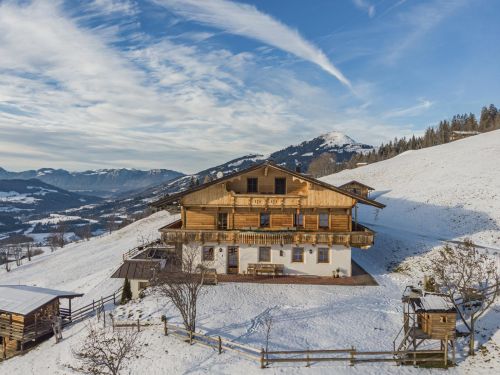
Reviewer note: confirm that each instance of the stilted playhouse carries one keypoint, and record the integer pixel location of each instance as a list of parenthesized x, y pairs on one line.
[(429, 319)]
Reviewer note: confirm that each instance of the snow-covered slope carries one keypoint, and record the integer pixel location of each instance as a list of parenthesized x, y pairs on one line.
[(446, 192), (86, 266)]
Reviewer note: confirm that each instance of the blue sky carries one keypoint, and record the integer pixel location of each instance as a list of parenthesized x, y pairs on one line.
[(190, 84)]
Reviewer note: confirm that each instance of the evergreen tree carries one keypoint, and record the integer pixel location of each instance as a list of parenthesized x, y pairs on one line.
[(126, 292)]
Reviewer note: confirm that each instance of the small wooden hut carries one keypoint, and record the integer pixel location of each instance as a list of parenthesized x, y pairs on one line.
[(357, 188), (29, 314)]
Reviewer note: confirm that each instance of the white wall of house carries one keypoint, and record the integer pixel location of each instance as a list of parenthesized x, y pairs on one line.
[(136, 286), (339, 258)]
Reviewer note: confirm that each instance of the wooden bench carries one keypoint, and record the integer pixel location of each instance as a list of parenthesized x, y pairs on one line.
[(210, 277), (265, 268)]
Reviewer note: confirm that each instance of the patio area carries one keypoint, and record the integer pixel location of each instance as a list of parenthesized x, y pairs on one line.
[(359, 278)]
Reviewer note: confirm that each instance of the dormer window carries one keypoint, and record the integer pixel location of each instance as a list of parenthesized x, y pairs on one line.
[(252, 185), (280, 185)]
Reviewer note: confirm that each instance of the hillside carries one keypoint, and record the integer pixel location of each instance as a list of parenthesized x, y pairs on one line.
[(23, 200), (432, 195), (101, 182), (445, 192)]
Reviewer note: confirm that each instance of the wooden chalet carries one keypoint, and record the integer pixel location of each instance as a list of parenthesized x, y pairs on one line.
[(267, 214), (29, 314), (358, 188)]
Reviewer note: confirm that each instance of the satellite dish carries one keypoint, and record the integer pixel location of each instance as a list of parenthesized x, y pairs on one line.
[(220, 174)]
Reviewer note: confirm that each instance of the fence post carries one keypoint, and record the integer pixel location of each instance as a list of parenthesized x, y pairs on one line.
[(93, 305), (114, 299), (138, 325), (351, 361), (446, 351), (165, 324), (262, 363), (220, 345), (308, 363)]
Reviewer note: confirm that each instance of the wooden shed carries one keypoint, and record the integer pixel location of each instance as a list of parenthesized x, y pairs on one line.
[(28, 314), (357, 188)]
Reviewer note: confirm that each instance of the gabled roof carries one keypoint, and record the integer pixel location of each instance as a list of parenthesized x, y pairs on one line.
[(433, 303), (24, 299), (174, 197), (356, 182)]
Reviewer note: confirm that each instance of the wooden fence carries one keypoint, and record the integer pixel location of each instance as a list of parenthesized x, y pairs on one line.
[(95, 307), (309, 357)]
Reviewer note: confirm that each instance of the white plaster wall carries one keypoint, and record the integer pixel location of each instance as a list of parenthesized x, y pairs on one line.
[(134, 287), (340, 257)]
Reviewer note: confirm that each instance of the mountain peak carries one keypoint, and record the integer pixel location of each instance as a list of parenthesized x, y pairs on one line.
[(335, 138)]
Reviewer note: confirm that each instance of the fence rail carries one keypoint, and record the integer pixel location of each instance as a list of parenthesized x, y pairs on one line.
[(93, 307)]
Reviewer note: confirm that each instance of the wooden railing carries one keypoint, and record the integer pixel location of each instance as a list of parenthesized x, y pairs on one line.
[(361, 239)]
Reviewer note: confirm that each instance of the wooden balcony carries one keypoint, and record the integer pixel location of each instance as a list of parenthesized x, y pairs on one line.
[(362, 238)]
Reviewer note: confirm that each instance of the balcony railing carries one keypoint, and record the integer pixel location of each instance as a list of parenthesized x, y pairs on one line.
[(363, 238)]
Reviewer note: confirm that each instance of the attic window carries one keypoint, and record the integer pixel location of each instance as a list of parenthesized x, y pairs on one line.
[(280, 185), (252, 185)]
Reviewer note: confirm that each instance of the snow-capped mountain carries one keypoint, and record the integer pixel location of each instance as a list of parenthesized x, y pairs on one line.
[(101, 182), (301, 155)]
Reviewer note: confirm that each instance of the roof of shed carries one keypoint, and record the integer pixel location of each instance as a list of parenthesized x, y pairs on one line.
[(433, 303), (135, 269), (24, 299)]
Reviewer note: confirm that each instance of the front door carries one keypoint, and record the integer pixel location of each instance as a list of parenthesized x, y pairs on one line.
[(233, 259)]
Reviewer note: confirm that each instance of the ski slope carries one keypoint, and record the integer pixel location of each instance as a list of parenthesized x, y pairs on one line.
[(444, 193)]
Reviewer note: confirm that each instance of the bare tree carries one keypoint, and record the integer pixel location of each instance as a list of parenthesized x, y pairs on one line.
[(182, 282), (323, 165), (111, 223), (470, 278), (105, 351)]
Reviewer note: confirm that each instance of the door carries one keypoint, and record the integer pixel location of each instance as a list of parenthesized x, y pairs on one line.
[(233, 259)]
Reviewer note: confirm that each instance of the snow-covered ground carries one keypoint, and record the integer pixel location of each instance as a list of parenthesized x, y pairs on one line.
[(433, 195)]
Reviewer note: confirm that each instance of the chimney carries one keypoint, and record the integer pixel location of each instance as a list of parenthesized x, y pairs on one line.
[(298, 168)]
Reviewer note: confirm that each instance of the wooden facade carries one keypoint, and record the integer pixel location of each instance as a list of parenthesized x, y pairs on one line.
[(268, 204)]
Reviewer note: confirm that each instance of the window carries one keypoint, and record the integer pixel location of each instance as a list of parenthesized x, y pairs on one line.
[(222, 220), (264, 219), (298, 255), (208, 254), (298, 220), (323, 220), (280, 185), (323, 255), (443, 319), (252, 185), (264, 254)]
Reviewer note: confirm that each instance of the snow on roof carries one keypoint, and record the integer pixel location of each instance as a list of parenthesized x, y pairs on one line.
[(24, 299), (434, 302)]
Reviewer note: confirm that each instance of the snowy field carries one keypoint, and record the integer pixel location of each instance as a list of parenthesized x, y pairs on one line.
[(439, 194)]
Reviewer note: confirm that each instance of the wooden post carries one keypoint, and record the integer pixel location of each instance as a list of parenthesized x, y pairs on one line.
[(69, 307), (351, 361), (190, 337), (308, 364), (114, 298), (262, 363), (138, 325), (446, 351), (92, 305), (220, 345), (165, 325)]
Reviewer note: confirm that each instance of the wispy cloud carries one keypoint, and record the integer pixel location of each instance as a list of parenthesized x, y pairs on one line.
[(410, 111), (246, 20), (420, 20), (365, 6)]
